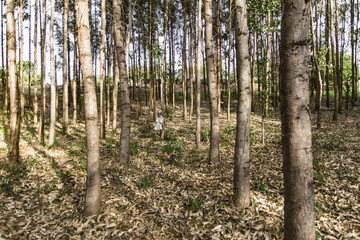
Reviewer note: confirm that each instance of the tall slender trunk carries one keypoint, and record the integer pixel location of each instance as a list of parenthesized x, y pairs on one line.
[(318, 74), (128, 35), (92, 197), (75, 75), (52, 78), (102, 68), (267, 66), (64, 66), (35, 66), (353, 63), (163, 67), (218, 54), (242, 147), (21, 63), (334, 62), (210, 66), (13, 82), (125, 101), (296, 123), (43, 81), (198, 82), (184, 72), (140, 78), (229, 63), (337, 62), (191, 53), (327, 55), (3, 75), (172, 54), (29, 80), (109, 54), (115, 86)]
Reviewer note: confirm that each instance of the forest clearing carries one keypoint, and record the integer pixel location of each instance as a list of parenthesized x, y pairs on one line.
[(170, 190)]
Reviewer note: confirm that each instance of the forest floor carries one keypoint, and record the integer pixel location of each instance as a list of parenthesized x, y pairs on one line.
[(170, 191)]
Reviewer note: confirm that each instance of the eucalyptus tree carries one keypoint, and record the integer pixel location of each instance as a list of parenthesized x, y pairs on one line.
[(198, 82), (124, 156), (92, 197), (13, 84), (212, 82), (21, 65), (102, 68), (296, 121), (242, 147), (65, 67), (36, 105), (163, 65), (43, 82), (52, 77), (183, 54)]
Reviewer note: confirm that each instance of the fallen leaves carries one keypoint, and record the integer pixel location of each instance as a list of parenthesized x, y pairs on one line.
[(170, 191)]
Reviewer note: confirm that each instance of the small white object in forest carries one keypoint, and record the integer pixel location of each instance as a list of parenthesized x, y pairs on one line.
[(159, 123)]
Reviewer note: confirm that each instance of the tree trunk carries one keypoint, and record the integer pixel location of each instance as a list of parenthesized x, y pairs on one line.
[(140, 79), (64, 66), (242, 147), (266, 90), (318, 74), (52, 78), (163, 67), (109, 54), (115, 86), (184, 72), (125, 101), (43, 82), (128, 35), (353, 63), (229, 63), (191, 53), (210, 66), (198, 82), (92, 197), (334, 63), (13, 82), (296, 123), (35, 67), (218, 54), (327, 55), (102, 68), (75, 87), (29, 80), (21, 64)]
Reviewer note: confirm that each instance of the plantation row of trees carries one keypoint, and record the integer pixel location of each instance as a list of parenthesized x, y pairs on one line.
[(232, 49)]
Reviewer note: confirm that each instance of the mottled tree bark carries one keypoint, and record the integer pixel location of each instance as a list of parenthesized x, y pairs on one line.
[(163, 67), (13, 84), (74, 85), (242, 144), (64, 68), (296, 122), (43, 82), (229, 61), (102, 69), (198, 82), (183, 54), (21, 64), (36, 110), (52, 78), (92, 197), (210, 66), (124, 88)]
